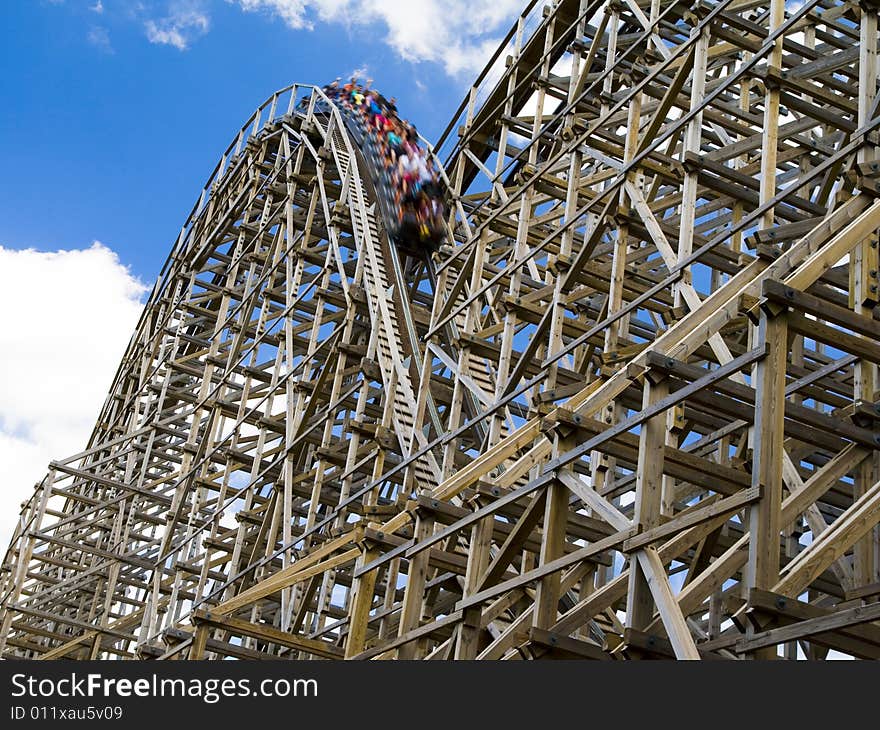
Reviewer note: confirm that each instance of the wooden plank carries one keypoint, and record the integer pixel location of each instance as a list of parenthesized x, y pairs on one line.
[(810, 627), (567, 647), (831, 544), (670, 612), (283, 579), (263, 632), (726, 506), (859, 640), (410, 636)]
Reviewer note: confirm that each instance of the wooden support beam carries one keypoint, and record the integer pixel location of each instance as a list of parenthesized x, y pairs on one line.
[(208, 619), (411, 613), (648, 500), (810, 627), (762, 570)]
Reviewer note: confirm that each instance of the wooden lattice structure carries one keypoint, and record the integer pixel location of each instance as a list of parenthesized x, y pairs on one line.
[(630, 410)]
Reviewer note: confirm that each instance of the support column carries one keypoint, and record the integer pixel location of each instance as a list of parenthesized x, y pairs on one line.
[(864, 265), (359, 616), (466, 644), (648, 498), (762, 569), (553, 542), (200, 640), (771, 114), (413, 596)]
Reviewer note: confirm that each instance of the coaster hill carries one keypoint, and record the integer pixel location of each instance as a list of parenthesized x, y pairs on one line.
[(629, 409)]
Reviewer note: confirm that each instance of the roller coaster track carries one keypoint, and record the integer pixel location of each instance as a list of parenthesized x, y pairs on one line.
[(628, 410)]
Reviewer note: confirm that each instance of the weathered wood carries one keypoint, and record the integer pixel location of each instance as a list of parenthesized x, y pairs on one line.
[(810, 627), (648, 500), (639, 374), (265, 633), (762, 570)]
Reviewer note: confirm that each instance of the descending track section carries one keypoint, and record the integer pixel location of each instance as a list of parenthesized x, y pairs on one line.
[(391, 329)]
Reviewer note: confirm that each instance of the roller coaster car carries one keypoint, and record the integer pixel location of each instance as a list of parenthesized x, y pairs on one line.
[(411, 234), (419, 219), (415, 230)]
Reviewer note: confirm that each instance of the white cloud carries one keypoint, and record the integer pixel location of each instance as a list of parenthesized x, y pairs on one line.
[(292, 12), (65, 320), (100, 39), (361, 72), (460, 34), (183, 25)]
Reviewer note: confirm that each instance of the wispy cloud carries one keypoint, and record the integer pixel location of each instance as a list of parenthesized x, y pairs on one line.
[(292, 12), (179, 28), (459, 34), (99, 37)]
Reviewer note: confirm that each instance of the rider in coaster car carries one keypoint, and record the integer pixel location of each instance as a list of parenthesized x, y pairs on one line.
[(393, 144)]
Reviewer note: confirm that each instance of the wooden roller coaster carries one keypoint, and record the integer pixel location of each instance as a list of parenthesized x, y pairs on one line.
[(629, 410)]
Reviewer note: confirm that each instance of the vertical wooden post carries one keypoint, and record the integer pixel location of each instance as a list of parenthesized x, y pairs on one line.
[(770, 140), (552, 543), (692, 144), (648, 498), (95, 647), (864, 295), (762, 570), (359, 615), (411, 612), (200, 639), (467, 642)]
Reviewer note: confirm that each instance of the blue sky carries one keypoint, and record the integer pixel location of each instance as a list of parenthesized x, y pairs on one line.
[(109, 125), (112, 115)]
